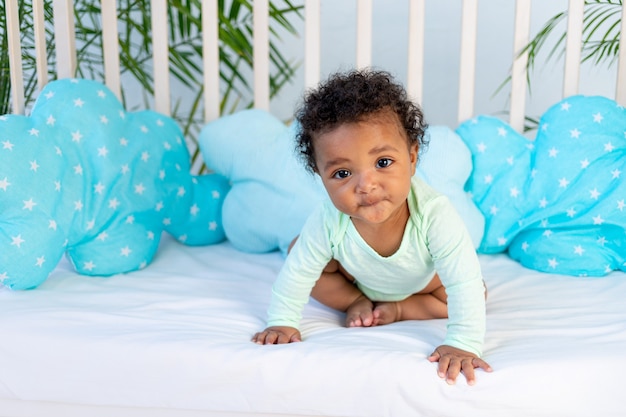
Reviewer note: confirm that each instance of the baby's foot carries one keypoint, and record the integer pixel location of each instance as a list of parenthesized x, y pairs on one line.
[(360, 313), (385, 313)]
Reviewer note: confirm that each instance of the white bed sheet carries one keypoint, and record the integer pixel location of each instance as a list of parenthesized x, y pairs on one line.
[(173, 340)]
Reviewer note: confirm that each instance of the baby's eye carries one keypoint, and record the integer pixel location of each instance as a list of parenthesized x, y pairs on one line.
[(341, 174), (383, 163)]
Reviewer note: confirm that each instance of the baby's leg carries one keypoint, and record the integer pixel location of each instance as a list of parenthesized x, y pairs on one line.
[(335, 288), (430, 303)]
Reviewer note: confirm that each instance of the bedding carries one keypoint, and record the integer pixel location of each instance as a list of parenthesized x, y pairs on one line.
[(173, 339), (83, 176)]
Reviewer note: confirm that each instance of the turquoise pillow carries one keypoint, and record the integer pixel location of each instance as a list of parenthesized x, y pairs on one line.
[(555, 203), (82, 176), (272, 193)]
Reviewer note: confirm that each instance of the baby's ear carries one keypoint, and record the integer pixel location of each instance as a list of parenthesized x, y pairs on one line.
[(413, 154)]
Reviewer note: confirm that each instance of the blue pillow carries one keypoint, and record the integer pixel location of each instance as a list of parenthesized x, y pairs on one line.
[(82, 176), (272, 193), (556, 203)]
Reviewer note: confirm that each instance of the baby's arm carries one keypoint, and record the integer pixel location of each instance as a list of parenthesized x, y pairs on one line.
[(452, 361), (277, 335)]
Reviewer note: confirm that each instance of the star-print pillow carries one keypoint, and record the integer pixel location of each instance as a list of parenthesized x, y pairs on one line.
[(82, 176), (556, 203), (272, 194)]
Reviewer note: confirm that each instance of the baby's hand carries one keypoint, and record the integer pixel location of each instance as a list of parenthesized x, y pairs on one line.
[(276, 335), (452, 361)]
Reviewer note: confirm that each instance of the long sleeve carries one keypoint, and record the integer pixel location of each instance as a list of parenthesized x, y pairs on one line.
[(301, 270), (458, 267)]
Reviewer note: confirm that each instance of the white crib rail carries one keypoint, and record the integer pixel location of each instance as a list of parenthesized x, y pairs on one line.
[(66, 52)]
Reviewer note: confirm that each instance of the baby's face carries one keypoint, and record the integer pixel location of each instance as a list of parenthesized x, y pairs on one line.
[(366, 168)]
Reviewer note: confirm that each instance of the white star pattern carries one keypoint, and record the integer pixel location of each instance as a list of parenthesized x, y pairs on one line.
[(194, 210), (103, 151), (4, 183), (7, 145), (40, 261), (114, 203), (125, 251), (139, 189), (597, 118), (621, 205), (29, 204), (17, 241), (574, 133)]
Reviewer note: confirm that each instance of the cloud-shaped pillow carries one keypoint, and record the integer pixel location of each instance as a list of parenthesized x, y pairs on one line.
[(272, 194), (80, 175), (556, 203)]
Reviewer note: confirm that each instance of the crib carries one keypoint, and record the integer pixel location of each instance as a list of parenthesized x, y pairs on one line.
[(169, 335)]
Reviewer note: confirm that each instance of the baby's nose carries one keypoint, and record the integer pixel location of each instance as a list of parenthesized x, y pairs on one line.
[(366, 182)]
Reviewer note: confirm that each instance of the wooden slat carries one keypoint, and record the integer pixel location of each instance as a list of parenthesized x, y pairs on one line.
[(312, 48), (519, 81), (467, 72), (211, 59), (571, 75), (15, 56), (620, 94), (415, 71), (364, 33), (261, 54), (65, 38), (160, 57), (41, 58), (110, 43)]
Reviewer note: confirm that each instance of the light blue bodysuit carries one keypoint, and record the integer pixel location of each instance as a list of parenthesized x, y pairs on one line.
[(435, 240)]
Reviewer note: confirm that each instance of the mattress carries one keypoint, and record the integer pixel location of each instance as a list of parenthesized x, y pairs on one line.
[(174, 340)]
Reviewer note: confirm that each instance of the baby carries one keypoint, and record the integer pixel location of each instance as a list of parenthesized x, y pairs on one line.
[(385, 247)]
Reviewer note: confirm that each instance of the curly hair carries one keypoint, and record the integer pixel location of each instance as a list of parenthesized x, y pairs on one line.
[(353, 97)]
